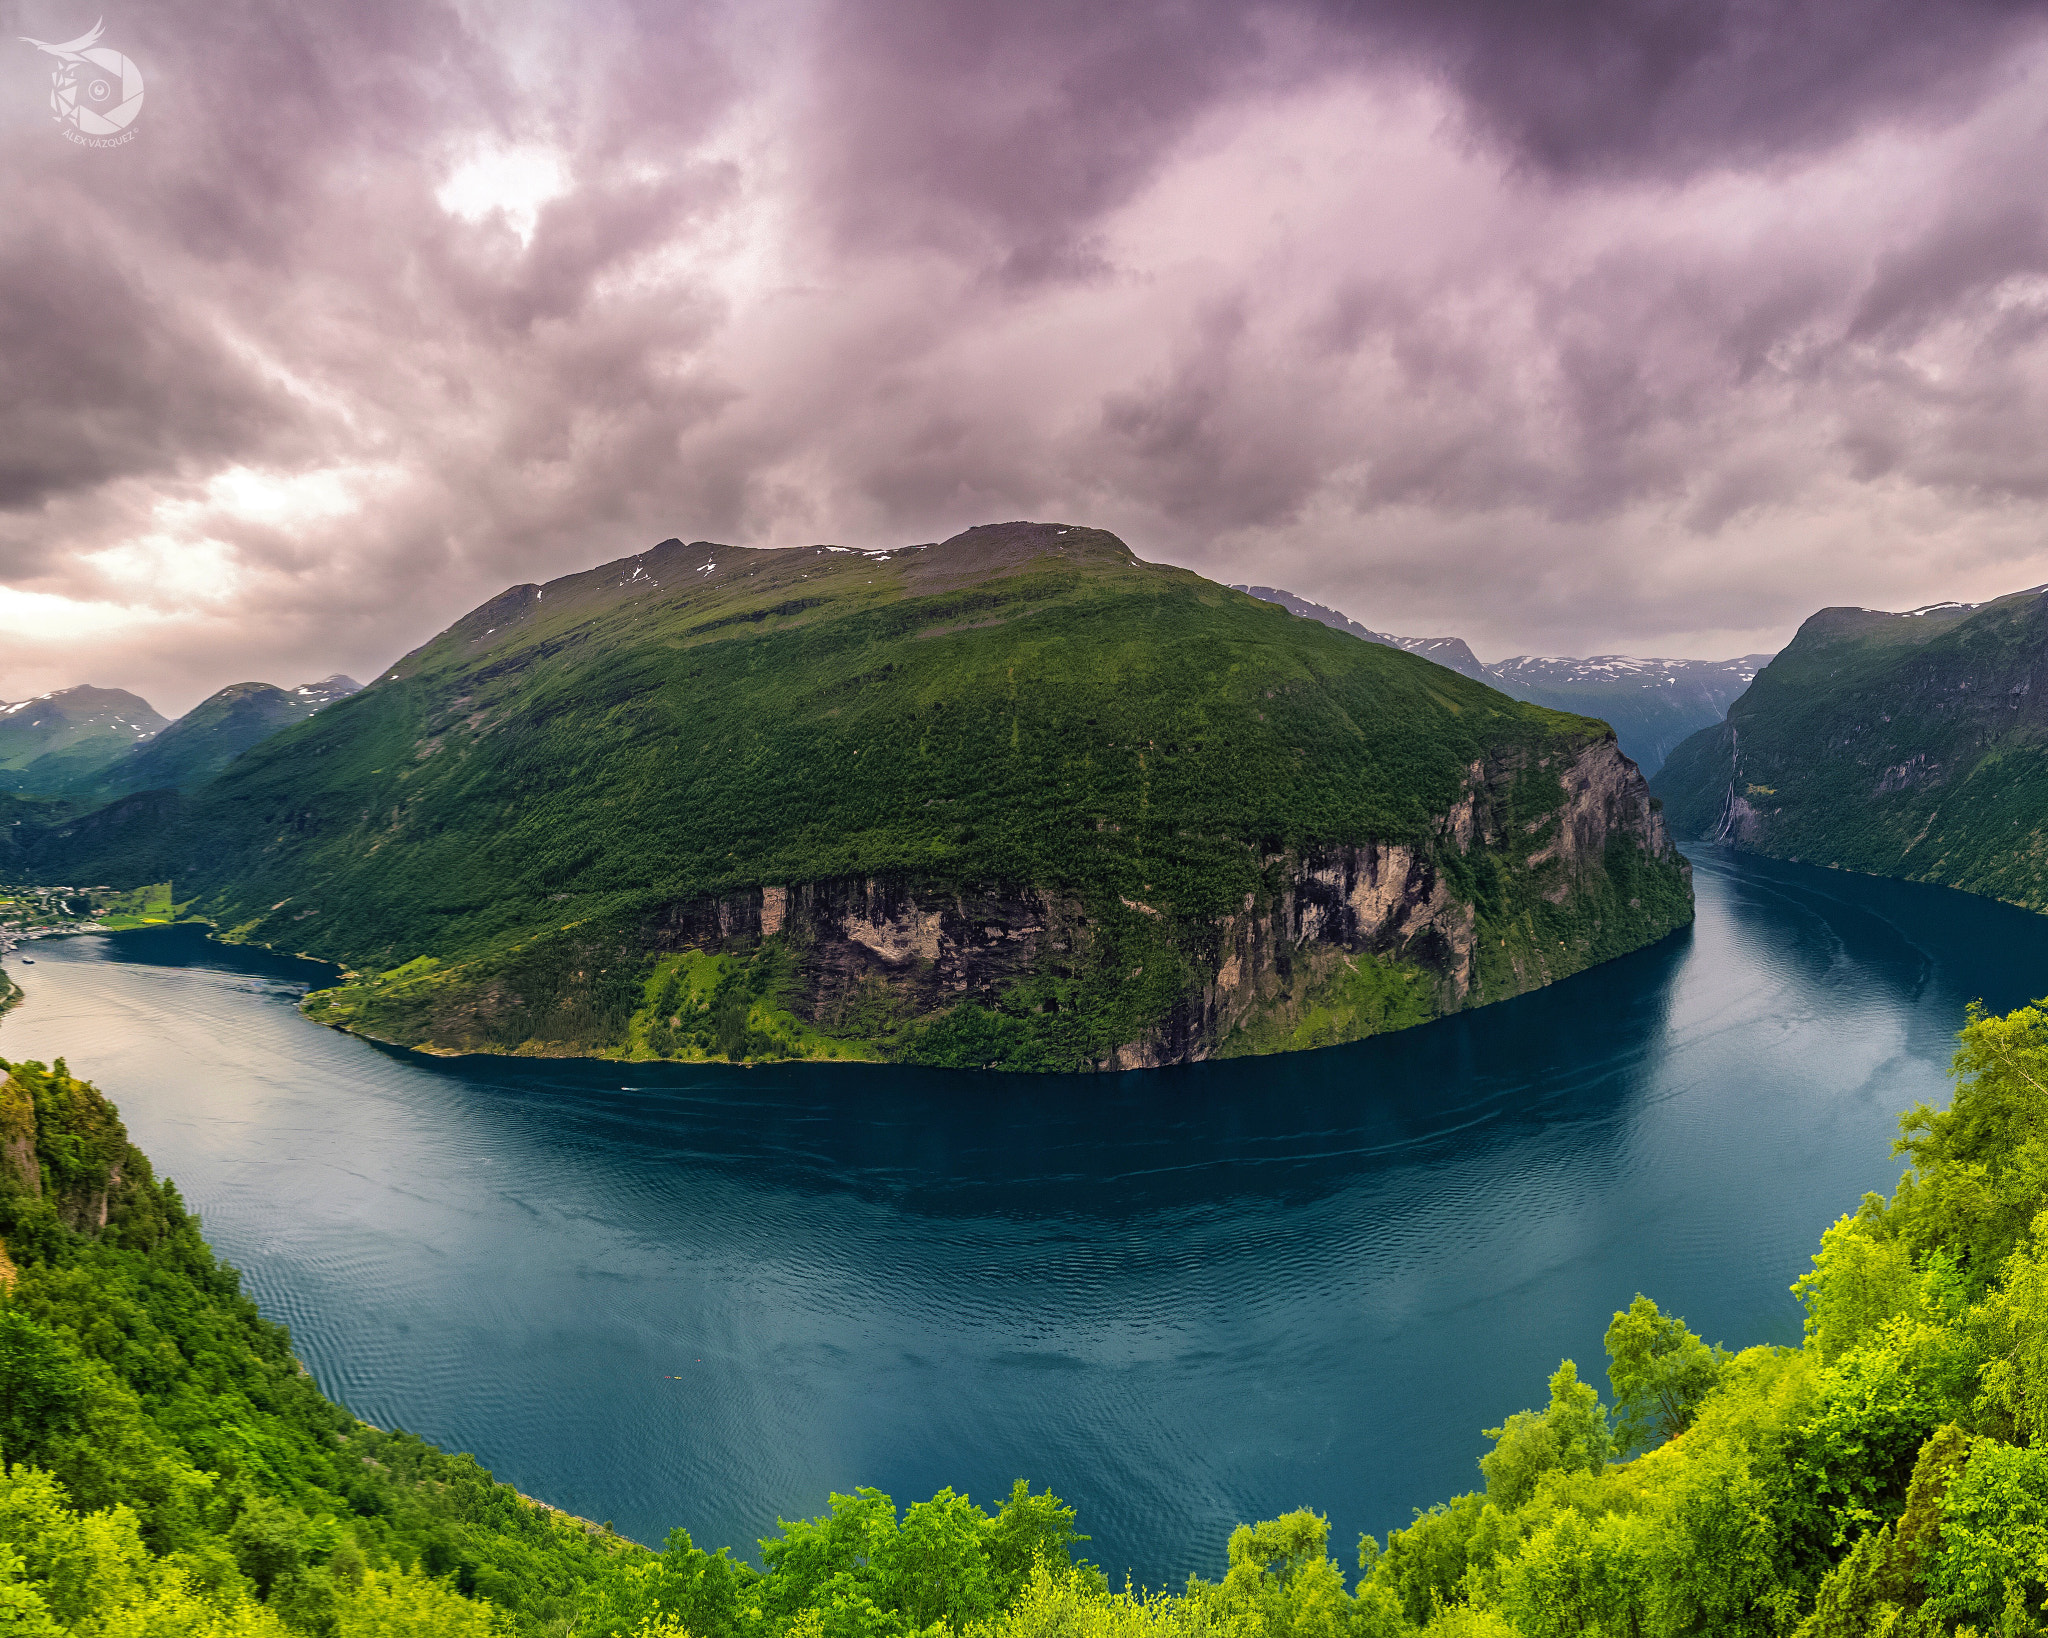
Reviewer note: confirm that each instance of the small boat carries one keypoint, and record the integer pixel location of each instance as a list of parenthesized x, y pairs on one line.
[(28, 961)]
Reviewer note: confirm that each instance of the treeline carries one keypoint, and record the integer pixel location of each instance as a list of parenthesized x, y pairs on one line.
[(172, 1470)]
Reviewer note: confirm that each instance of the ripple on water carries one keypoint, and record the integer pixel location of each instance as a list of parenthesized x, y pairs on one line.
[(707, 1297)]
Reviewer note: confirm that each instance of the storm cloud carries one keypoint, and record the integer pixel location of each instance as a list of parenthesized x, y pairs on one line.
[(1633, 324)]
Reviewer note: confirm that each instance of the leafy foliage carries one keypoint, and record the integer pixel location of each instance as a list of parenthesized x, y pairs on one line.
[(171, 1470), (1659, 1371)]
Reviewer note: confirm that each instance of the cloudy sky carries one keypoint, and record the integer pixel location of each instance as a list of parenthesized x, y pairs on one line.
[(1641, 325)]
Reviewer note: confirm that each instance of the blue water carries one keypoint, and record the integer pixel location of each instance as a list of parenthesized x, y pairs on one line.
[(1184, 1298)]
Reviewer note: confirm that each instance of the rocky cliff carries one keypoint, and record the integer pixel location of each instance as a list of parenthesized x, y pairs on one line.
[(1334, 943), (61, 1141)]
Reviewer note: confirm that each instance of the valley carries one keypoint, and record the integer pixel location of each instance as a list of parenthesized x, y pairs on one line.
[(689, 947), (799, 1279), (1910, 744)]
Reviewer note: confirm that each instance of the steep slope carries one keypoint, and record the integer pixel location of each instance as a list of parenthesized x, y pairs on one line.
[(135, 1374), (1449, 652), (1016, 799), (1653, 704), (56, 740), (23, 822), (1910, 745), (212, 734)]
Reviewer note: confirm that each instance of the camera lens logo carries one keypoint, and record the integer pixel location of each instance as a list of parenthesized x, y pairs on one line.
[(95, 92)]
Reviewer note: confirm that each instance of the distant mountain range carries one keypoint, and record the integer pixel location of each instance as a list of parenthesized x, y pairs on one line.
[(1652, 704), (90, 744), (1911, 744), (53, 740)]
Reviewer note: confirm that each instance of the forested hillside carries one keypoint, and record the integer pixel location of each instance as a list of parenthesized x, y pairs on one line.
[(207, 738), (1016, 799), (173, 1471), (1652, 704), (1911, 745)]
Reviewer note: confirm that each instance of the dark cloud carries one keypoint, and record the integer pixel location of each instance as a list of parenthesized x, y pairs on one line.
[(1563, 326), (1626, 85), (1008, 130)]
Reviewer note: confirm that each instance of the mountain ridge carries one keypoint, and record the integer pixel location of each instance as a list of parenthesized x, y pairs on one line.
[(1909, 744), (90, 744), (1017, 798), (1652, 703), (198, 745), (68, 734), (1450, 652)]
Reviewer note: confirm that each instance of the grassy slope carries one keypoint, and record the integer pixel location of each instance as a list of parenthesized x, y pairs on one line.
[(1023, 706), (1900, 745), (205, 740)]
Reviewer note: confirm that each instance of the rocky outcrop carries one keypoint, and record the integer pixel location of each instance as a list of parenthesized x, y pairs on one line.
[(930, 948), (59, 1139), (18, 1135), (1397, 903)]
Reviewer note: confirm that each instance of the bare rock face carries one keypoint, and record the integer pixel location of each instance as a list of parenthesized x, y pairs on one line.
[(1396, 903), (1265, 963), (18, 1135)]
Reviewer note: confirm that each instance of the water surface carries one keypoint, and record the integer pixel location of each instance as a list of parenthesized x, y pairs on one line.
[(708, 1296)]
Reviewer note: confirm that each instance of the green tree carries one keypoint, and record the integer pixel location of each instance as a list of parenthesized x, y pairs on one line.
[(704, 1592), (934, 1569), (1994, 1535), (1862, 1276), (1980, 1166), (2016, 1380), (1659, 1372), (1027, 1530), (265, 1541), (1571, 1434), (1281, 1582), (1424, 1564)]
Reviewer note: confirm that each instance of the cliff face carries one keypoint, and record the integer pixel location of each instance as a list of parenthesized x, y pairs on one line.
[(60, 1139), (1335, 943), (1911, 745), (1399, 911)]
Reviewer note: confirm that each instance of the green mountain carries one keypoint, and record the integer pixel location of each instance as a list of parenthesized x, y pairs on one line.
[(1911, 745), (1015, 799), (1651, 704), (212, 734), (57, 740), (172, 1469)]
